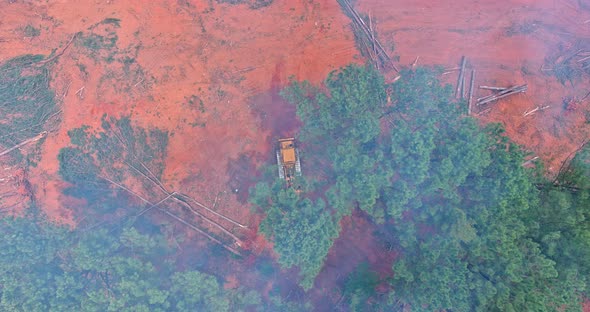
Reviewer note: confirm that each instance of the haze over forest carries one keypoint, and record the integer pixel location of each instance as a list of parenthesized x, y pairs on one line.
[(435, 156)]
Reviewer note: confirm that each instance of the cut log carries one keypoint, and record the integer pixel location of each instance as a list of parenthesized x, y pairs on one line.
[(459, 91), (502, 94), (471, 88), (492, 88), (219, 226), (154, 205), (179, 219), (213, 211), (367, 32)]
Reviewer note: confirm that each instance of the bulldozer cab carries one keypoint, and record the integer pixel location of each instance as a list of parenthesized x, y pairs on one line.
[(289, 164)]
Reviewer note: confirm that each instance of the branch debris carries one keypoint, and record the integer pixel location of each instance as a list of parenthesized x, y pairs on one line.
[(371, 47)]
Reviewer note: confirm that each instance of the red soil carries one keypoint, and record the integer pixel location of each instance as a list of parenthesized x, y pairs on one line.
[(229, 56), (356, 244), (441, 32), (235, 59)]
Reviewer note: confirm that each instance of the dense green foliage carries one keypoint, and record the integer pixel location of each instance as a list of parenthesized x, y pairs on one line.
[(302, 229), (44, 267), (475, 229), (470, 208), (359, 288), (121, 261)]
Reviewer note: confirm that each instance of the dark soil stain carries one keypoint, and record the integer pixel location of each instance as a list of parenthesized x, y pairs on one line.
[(274, 113), (242, 173)]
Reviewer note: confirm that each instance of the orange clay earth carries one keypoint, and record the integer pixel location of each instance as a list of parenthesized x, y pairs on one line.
[(235, 59)]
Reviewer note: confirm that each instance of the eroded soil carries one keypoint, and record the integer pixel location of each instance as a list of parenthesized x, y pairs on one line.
[(210, 73)]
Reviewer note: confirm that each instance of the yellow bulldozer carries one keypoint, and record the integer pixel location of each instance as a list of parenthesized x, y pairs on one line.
[(288, 161)]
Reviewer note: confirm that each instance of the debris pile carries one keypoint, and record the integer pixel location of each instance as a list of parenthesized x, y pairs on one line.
[(366, 38)]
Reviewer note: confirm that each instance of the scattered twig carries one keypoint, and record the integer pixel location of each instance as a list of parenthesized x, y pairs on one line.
[(538, 108), (80, 92), (415, 61), (215, 202), (140, 81), (66, 91), (545, 69)]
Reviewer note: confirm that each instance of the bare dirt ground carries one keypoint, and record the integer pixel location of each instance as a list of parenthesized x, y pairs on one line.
[(507, 43), (209, 74)]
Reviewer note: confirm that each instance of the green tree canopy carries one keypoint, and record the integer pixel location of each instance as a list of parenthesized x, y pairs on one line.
[(45, 267), (475, 230)]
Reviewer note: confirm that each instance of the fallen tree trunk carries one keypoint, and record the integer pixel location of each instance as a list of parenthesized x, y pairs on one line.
[(152, 205), (219, 226), (179, 219), (152, 178), (60, 53), (492, 88), (459, 91), (25, 142), (565, 165), (213, 211), (502, 94), (471, 88)]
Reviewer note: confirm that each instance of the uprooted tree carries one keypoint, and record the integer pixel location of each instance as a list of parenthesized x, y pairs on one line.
[(123, 164)]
